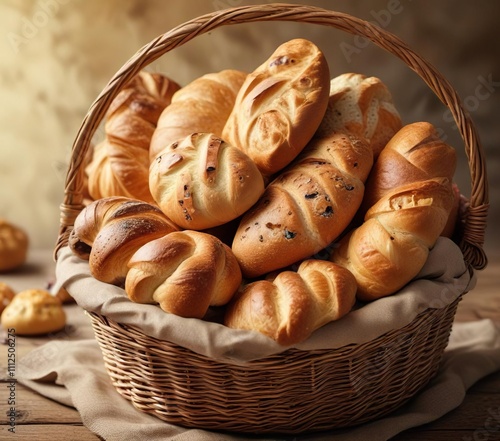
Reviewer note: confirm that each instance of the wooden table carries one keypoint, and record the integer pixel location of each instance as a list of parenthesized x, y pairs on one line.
[(41, 419)]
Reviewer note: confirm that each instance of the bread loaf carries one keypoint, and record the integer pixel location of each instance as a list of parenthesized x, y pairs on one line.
[(201, 106), (280, 105), (306, 207), (6, 295), (120, 163), (108, 231), (362, 105), (414, 153), (291, 307), (202, 181), (389, 249), (14, 243), (184, 272)]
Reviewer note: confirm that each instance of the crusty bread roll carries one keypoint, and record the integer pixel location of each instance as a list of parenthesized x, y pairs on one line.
[(34, 312), (108, 231), (280, 105), (120, 163), (364, 106), (184, 272), (291, 307), (389, 249), (202, 181), (6, 295), (415, 153), (201, 106), (14, 243), (306, 207)]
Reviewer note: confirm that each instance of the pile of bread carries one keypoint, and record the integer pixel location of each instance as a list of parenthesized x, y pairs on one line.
[(31, 311), (281, 195)]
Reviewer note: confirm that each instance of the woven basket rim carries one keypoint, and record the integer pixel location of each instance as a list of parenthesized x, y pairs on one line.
[(473, 232)]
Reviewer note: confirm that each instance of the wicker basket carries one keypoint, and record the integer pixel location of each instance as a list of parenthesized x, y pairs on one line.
[(294, 391)]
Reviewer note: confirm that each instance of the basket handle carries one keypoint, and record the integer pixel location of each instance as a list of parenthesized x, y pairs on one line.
[(472, 240)]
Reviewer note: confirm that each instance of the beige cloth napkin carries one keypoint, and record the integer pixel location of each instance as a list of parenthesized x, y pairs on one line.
[(72, 372)]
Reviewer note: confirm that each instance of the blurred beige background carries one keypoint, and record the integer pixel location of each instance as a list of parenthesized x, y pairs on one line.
[(57, 55)]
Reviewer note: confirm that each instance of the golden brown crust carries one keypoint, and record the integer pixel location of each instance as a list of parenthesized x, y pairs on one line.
[(108, 231), (34, 312), (393, 243), (201, 106), (14, 243), (415, 153), (364, 106), (280, 105), (202, 182), (306, 207), (120, 163), (6, 295), (184, 272), (293, 305)]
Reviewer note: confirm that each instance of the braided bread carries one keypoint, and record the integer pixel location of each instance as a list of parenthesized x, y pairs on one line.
[(291, 307), (185, 272), (120, 164), (392, 245), (108, 231)]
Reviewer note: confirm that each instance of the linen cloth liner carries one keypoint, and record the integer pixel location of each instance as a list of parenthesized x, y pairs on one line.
[(443, 278)]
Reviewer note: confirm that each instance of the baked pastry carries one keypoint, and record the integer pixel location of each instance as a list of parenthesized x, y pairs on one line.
[(306, 207), (364, 106), (292, 306), (185, 272), (6, 295), (120, 163), (108, 231), (34, 312), (14, 243), (201, 106), (202, 181), (389, 249), (415, 153), (280, 105)]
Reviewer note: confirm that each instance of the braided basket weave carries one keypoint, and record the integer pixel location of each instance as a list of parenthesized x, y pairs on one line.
[(294, 391)]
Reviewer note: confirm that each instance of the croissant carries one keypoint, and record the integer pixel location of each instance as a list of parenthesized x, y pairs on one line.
[(120, 164), (201, 106), (108, 231), (184, 272), (280, 105), (362, 105), (291, 307), (389, 249), (306, 207), (202, 182)]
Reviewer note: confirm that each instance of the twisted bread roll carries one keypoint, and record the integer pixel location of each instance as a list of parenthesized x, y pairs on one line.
[(291, 307), (202, 182), (306, 207), (184, 272), (392, 245), (280, 105), (108, 231), (201, 106), (414, 153), (120, 163), (362, 105)]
